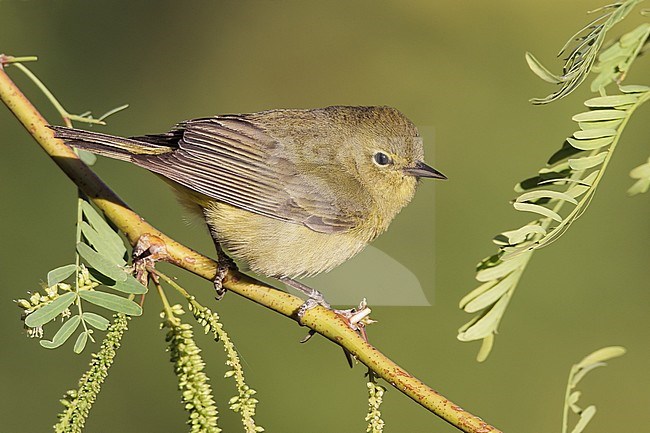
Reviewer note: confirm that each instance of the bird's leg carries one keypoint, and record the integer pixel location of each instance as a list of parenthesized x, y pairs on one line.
[(356, 318), (224, 264), (314, 297)]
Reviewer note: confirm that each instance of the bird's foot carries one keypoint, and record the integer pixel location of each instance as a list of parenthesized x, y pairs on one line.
[(224, 265), (314, 297), (356, 318)]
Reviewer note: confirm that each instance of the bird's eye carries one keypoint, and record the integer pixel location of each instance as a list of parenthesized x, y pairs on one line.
[(381, 159)]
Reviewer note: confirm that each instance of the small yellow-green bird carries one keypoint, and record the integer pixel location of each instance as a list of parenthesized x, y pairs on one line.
[(291, 193)]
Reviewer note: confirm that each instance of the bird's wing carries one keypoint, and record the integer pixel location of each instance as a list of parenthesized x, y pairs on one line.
[(236, 162)]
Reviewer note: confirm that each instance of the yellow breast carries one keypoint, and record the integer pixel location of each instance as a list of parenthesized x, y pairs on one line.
[(276, 248)]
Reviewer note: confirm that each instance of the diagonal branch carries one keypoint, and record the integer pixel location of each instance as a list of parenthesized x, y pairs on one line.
[(134, 227)]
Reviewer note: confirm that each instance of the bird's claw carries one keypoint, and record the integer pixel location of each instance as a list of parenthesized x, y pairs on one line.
[(224, 265), (315, 299), (356, 318)]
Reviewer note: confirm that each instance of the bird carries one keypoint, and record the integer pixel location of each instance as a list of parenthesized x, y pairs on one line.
[(290, 193)]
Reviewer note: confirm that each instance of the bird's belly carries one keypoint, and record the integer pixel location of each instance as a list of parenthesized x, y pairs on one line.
[(276, 248)]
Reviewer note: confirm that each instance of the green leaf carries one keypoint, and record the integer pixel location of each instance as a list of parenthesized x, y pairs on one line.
[(612, 54), (587, 162), (594, 133), (468, 325), (518, 236), (111, 302), (96, 321), (641, 186), (513, 251), (58, 275), (615, 61), (500, 270), (536, 195), (102, 227), (601, 355), (608, 124), (572, 401), (104, 247), (603, 79), (131, 285), (100, 263), (599, 115), (80, 344), (634, 88), (493, 294), (489, 261), (583, 372), (487, 324), (486, 348), (591, 144), (541, 210), (534, 182), (539, 70), (62, 335), (475, 293), (636, 36), (642, 174), (611, 101), (585, 416), (583, 186), (514, 237), (50, 311), (641, 171)]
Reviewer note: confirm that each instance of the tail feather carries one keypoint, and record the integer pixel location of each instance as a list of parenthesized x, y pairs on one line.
[(108, 145)]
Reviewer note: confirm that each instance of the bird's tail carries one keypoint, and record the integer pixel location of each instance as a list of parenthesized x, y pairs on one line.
[(110, 145)]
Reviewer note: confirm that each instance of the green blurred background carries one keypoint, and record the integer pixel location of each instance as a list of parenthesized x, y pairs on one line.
[(457, 70)]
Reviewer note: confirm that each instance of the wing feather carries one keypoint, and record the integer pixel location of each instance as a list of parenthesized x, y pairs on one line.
[(237, 162)]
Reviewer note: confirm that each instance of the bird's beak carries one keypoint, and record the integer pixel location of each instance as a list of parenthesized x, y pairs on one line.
[(422, 170)]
